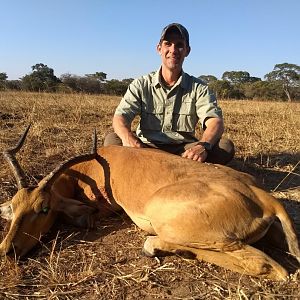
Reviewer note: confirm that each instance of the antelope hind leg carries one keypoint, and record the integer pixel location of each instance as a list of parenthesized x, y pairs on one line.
[(246, 260)]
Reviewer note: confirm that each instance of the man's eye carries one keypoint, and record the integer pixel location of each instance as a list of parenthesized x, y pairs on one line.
[(179, 46)]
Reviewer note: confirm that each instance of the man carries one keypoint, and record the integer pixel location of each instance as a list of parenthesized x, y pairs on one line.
[(170, 103)]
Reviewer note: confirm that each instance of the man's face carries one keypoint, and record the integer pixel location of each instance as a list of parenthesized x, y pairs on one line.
[(173, 50)]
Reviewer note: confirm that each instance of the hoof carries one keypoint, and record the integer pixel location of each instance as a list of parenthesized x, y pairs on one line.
[(148, 249), (146, 253), (151, 248)]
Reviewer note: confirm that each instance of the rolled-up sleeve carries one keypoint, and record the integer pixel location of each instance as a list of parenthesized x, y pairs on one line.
[(130, 105), (206, 105)]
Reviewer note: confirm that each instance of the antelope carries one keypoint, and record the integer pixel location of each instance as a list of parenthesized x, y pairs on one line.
[(212, 211)]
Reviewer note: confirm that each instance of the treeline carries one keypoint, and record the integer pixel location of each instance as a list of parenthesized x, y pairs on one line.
[(42, 79), (283, 83)]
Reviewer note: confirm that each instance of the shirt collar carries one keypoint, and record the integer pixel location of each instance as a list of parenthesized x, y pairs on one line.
[(182, 81)]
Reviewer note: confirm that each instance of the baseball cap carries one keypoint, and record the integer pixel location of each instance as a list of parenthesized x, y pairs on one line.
[(184, 33)]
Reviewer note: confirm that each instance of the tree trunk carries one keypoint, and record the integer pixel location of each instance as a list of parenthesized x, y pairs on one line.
[(287, 92)]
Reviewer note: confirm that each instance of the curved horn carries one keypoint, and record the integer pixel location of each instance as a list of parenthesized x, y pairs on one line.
[(10, 156), (51, 177)]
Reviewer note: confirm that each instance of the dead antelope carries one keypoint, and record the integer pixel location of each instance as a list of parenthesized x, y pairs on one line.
[(210, 210)]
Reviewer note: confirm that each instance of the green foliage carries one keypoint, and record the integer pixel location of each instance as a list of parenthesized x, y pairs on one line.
[(288, 76), (42, 78), (221, 88), (263, 90), (84, 84), (101, 76), (13, 85), (235, 77), (253, 79), (95, 84), (238, 77), (117, 87), (3, 76), (282, 82), (208, 78)]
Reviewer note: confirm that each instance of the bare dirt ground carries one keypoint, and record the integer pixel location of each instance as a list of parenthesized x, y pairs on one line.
[(107, 263)]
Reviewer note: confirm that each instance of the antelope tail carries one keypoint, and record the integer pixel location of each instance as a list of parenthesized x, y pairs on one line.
[(289, 231), (285, 220)]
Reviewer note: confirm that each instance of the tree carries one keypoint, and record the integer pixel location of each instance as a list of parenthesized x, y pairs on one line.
[(253, 79), (117, 87), (288, 75), (263, 90), (70, 81), (3, 76), (101, 76), (13, 85), (221, 88), (42, 78), (235, 77), (208, 78), (127, 81), (84, 84)]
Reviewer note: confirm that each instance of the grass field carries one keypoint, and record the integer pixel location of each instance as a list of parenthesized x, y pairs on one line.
[(107, 263)]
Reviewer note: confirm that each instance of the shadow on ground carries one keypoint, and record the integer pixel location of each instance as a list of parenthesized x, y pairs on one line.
[(275, 172)]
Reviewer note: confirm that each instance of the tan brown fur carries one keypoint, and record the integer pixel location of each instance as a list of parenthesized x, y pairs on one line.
[(210, 210)]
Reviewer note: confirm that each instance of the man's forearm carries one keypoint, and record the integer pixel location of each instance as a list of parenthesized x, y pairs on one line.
[(120, 126), (214, 130)]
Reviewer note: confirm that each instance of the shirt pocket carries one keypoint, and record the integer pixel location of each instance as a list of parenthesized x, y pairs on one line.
[(152, 118), (185, 119)]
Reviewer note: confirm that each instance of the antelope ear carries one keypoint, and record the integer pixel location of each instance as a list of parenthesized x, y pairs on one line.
[(6, 211), (73, 208)]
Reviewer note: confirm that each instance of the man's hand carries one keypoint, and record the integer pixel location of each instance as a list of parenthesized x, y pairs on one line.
[(132, 141), (197, 153), (212, 133), (123, 130)]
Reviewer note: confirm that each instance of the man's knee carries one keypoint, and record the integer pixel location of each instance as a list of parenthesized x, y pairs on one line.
[(227, 145), (112, 139), (222, 153)]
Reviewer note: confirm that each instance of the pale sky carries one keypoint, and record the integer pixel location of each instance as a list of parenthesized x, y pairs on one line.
[(119, 37)]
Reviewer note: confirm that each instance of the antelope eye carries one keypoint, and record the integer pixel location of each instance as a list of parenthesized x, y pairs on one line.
[(45, 210)]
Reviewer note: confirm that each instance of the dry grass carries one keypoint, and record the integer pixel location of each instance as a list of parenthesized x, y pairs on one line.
[(107, 263)]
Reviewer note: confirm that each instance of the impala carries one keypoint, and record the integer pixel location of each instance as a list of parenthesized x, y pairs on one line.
[(210, 210)]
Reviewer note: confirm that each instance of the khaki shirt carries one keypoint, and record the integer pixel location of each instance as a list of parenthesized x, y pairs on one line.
[(168, 116)]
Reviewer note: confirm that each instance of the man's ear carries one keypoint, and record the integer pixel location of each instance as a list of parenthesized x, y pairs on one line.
[(73, 208), (158, 48), (188, 51)]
